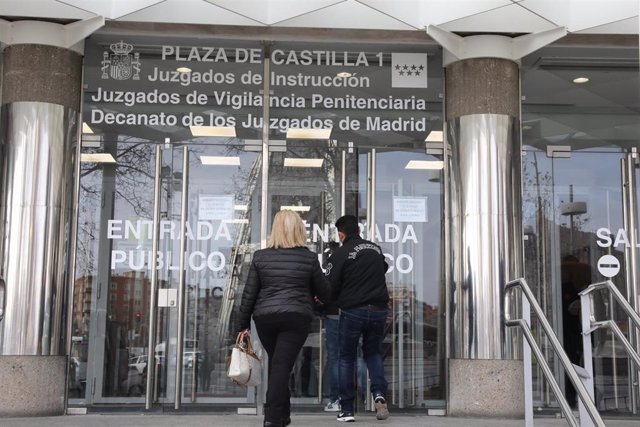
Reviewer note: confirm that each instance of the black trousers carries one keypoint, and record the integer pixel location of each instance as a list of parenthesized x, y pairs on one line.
[(282, 336)]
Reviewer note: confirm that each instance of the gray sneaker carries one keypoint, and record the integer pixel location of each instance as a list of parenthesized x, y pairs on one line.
[(382, 412)]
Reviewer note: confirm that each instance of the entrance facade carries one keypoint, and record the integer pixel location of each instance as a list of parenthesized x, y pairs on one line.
[(199, 123), (193, 130), (214, 147)]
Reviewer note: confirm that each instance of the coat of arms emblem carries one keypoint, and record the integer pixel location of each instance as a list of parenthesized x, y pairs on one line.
[(121, 64)]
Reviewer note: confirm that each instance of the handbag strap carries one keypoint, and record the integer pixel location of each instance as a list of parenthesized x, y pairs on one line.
[(245, 336)]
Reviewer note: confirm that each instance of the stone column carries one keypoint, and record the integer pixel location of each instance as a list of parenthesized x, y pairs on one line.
[(482, 114), (40, 104)]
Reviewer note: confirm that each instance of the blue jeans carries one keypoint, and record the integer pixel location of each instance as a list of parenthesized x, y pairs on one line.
[(331, 327), (367, 322)]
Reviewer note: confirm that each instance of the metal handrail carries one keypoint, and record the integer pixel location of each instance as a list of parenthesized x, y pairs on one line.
[(571, 372), (613, 327), (624, 304), (590, 324)]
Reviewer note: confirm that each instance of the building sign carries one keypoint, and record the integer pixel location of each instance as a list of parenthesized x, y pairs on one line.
[(608, 266), (137, 92), (182, 86), (409, 70), (215, 207), (120, 64), (131, 247), (409, 209), (607, 239)]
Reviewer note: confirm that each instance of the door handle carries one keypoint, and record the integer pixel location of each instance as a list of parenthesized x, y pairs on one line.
[(3, 290), (181, 285)]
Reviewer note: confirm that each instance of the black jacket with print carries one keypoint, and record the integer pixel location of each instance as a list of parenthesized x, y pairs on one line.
[(356, 272)]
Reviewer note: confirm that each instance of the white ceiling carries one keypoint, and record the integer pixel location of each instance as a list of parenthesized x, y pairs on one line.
[(495, 16)]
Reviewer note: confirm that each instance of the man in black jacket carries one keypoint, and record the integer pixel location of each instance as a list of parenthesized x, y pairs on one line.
[(356, 272)]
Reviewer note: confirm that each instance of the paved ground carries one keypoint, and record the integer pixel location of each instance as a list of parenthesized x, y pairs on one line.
[(304, 420)]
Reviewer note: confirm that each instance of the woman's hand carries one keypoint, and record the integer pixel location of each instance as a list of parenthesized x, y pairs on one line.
[(243, 331)]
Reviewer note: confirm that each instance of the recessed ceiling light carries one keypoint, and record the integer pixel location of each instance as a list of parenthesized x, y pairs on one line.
[(229, 131), (220, 161), (241, 207), (302, 163), (86, 128), (425, 164), (295, 208), (183, 69), (97, 158), (91, 141), (344, 74), (236, 221), (581, 80), (435, 136), (308, 133)]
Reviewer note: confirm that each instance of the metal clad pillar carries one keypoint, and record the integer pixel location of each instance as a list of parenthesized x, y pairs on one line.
[(482, 122), (38, 142), (482, 113), (482, 116)]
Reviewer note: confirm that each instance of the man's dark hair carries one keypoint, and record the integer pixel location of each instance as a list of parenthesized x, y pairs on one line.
[(348, 224)]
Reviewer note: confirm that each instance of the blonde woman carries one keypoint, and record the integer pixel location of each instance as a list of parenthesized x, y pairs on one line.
[(282, 283)]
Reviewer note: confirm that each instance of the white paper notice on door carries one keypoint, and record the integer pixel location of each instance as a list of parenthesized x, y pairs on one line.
[(215, 207), (410, 209)]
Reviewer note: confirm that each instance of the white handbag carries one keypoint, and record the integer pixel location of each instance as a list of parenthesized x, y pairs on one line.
[(245, 367)]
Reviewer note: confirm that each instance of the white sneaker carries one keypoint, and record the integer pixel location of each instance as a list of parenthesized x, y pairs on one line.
[(346, 417), (332, 406)]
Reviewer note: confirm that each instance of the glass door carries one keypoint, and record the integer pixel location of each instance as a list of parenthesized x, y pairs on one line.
[(142, 93), (574, 210), (398, 190), (110, 351), (111, 331), (335, 129), (406, 209), (309, 177), (223, 231)]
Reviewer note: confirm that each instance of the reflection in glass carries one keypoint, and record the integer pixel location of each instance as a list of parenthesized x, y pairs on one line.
[(408, 228), (333, 178), (112, 284), (320, 173), (572, 212), (110, 304), (226, 197), (306, 178)]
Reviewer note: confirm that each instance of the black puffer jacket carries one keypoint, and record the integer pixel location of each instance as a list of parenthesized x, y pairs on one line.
[(282, 281)]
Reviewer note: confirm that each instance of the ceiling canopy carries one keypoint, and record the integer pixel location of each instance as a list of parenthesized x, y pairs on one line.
[(475, 16)]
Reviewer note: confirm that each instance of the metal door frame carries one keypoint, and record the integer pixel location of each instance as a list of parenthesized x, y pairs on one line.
[(98, 320), (629, 168)]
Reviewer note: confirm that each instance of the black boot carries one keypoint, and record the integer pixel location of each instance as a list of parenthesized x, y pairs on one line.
[(272, 416), (286, 416)]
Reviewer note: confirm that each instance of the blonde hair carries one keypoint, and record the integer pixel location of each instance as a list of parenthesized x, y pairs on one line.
[(288, 231)]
